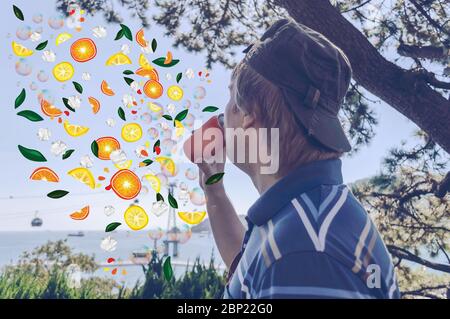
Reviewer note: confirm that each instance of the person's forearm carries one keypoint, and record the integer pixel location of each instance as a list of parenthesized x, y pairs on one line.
[(227, 229)]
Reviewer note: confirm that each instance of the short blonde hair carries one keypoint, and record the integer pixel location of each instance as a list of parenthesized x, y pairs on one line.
[(260, 97)]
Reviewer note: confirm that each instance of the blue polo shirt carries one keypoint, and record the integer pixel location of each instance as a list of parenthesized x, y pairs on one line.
[(309, 237)]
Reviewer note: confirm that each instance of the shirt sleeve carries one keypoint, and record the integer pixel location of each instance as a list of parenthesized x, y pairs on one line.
[(309, 275)]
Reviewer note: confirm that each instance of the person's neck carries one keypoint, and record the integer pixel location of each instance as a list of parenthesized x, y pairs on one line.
[(263, 182)]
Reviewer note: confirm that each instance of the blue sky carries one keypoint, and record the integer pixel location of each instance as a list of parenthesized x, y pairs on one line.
[(28, 196)]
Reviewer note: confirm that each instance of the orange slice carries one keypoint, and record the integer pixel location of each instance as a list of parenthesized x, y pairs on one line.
[(168, 58), (44, 174), (83, 50), (95, 104), (140, 38), (153, 89), (81, 214), (151, 74), (106, 89), (106, 145), (126, 184), (49, 109)]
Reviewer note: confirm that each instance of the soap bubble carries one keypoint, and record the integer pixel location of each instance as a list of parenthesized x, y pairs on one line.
[(23, 33), (156, 233), (56, 22), (197, 196), (183, 186), (163, 179), (157, 115), (42, 76), (189, 120), (153, 132), (45, 95), (144, 190), (199, 93), (38, 18), (169, 146), (33, 86), (196, 106), (146, 118), (191, 174), (23, 68), (185, 234), (186, 104), (40, 30), (166, 132)]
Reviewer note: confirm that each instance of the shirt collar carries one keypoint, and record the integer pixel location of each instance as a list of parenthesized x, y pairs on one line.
[(300, 180)]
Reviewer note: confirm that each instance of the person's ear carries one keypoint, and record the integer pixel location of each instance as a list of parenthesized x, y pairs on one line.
[(248, 121)]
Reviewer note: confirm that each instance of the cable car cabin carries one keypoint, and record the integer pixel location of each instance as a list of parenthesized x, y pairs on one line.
[(36, 222)]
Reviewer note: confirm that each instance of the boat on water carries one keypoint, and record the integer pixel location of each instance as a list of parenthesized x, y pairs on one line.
[(77, 234)]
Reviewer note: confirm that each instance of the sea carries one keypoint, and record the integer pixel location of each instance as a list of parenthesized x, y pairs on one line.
[(200, 245)]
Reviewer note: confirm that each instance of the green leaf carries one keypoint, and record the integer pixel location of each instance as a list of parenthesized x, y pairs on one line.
[(167, 117), (42, 45), (167, 269), (128, 72), (119, 35), (112, 226), (159, 197), (160, 62), (20, 98), (214, 178), (121, 113), (67, 154), (127, 32), (18, 13), (32, 155), (78, 87), (210, 108), (30, 115), (157, 144), (128, 80), (57, 194), (147, 162), (182, 115), (66, 104), (172, 201), (154, 45), (94, 148), (179, 76)]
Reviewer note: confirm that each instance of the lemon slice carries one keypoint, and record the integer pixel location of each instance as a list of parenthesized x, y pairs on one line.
[(63, 71), (83, 175), (135, 217), (63, 37), (179, 128), (118, 59), (20, 50), (131, 132), (192, 218), (167, 163), (125, 165), (75, 130), (144, 63), (175, 93), (154, 107), (154, 181)]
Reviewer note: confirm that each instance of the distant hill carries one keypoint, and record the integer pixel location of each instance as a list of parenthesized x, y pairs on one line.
[(205, 226)]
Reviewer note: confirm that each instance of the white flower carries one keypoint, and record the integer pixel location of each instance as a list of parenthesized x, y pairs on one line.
[(128, 100), (74, 101), (189, 73), (99, 32), (125, 49), (35, 36), (86, 76), (48, 56), (108, 244)]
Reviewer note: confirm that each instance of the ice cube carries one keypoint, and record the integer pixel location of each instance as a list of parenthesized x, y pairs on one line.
[(159, 208), (86, 161), (44, 134), (109, 210), (118, 156), (110, 122), (35, 36), (171, 108), (125, 49), (58, 148), (189, 73), (48, 56), (108, 244), (99, 32), (128, 100), (74, 101), (86, 76), (168, 76), (147, 49)]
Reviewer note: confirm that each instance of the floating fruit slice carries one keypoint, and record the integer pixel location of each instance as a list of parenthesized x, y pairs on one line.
[(107, 145), (20, 50), (83, 50), (81, 214), (75, 130), (151, 74), (62, 37), (135, 217), (44, 174), (168, 58), (95, 104), (106, 89), (125, 184), (49, 109), (125, 165), (63, 71), (131, 132), (154, 107), (154, 181), (144, 62), (192, 218), (179, 128), (140, 38), (118, 59), (166, 163), (153, 89), (83, 175), (175, 93)]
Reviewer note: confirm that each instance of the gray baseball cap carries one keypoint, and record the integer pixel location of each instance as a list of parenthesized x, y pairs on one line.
[(313, 74)]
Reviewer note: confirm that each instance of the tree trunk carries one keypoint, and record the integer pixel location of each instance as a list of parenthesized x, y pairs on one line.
[(404, 90)]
